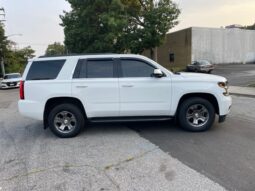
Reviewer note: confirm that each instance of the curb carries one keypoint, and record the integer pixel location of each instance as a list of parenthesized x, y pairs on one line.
[(243, 95)]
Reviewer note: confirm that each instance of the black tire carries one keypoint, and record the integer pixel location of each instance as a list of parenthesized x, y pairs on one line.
[(77, 115), (186, 106), (210, 71)]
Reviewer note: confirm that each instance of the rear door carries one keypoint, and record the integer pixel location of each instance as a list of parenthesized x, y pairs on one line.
[(141, 94), (95, 82)]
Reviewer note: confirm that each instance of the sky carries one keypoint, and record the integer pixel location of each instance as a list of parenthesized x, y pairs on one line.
[(38, 20)]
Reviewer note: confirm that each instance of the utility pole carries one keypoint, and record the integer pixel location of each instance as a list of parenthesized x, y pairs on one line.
[(2, 13)]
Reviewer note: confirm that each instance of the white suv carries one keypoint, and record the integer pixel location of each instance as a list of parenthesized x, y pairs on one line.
[(69, 91)]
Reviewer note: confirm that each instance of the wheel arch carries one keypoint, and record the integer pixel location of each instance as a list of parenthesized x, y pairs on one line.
[(52, 102), (210, 97)]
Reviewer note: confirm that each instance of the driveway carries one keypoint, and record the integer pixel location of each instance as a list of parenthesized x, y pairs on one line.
[(237, 74)]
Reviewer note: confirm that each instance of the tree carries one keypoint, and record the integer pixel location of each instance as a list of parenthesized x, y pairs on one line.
[(251, 27), (94, 26), (16, 60), (148, 27), (118, 25), (3, 47), (55, 49)]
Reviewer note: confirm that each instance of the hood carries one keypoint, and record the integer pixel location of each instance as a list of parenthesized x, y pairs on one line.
[(202, 77), (12, 80)]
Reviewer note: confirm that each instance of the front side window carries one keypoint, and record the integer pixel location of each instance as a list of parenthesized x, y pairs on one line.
[(136, 68), (45, 70)]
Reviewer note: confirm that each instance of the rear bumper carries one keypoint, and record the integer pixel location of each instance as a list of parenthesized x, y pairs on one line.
[(31, 109)]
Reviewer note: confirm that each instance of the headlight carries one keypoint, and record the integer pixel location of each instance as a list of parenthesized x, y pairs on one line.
[(224, 85)]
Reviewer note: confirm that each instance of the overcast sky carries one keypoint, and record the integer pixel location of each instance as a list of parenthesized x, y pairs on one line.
[(38, 20)]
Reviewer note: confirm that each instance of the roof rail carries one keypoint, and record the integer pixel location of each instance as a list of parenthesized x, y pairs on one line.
[(85, 54)]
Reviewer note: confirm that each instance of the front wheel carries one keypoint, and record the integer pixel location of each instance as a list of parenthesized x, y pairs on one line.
[(196, 114), (66, 120)]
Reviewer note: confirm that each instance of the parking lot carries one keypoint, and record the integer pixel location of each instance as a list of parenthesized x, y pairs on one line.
[(237, 74)]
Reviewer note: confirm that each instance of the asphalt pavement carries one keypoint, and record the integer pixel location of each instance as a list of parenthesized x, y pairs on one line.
[(237, 74), (104, 157), (132, 156), (225, 154)]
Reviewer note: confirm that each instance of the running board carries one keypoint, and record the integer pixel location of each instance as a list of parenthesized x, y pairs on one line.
[(129, 119)]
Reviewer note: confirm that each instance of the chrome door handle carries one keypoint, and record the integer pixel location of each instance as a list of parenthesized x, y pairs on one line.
[(127, 86), (81, 86)]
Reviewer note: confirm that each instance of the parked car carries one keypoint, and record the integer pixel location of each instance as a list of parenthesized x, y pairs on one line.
[(11, 81), (69, 91), (200, 66)]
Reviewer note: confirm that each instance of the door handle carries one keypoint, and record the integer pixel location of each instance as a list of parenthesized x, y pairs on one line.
[(81, 86), (127, 86)]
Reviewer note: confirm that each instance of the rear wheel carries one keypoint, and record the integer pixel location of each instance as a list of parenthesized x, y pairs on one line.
[(196, 114), (66, 120)]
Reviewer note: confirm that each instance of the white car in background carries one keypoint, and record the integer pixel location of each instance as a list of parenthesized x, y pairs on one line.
[(11, 81)]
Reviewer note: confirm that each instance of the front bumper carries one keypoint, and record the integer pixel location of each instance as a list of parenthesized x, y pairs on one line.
[(222, 118), (225, 105), (9, 85)]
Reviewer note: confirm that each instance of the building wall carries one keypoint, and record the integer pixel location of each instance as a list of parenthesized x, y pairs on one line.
[(178, 43), (223, 46)]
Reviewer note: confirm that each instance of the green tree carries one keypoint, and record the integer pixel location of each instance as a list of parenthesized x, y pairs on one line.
[(251, 27), (55, 49), (16, 60), (148, 27), (118, 25), (94, 26), (3, 45)]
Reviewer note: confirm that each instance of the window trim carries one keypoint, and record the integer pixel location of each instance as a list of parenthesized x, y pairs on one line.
[(79, 66)]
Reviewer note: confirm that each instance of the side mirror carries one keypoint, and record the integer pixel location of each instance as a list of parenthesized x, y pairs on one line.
[(158, 73)]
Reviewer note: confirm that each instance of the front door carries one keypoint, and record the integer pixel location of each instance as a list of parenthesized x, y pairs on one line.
[(141, 94)]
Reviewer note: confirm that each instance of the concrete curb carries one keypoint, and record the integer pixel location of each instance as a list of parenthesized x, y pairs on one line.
[(242, 91), (242, 95)]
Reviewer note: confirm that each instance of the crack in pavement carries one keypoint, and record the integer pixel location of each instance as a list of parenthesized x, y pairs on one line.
[(100, 170)]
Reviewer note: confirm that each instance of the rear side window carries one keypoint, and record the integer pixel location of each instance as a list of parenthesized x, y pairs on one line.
[(45, 70), (102, 68)]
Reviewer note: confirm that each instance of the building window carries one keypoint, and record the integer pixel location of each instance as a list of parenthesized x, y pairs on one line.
[(171, 57)]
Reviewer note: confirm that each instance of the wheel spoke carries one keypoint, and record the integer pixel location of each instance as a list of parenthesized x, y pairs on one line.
[(197, 115), (202, 119), (195, 121)]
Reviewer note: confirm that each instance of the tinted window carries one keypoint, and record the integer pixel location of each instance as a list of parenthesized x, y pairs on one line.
[(96, 68), (136, 68), (45, 70)]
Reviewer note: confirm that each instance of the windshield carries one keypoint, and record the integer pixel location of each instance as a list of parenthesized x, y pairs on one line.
[(12, 76), (204, 62)]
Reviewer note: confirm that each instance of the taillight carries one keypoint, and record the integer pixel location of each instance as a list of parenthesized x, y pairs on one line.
[(21, 90)]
